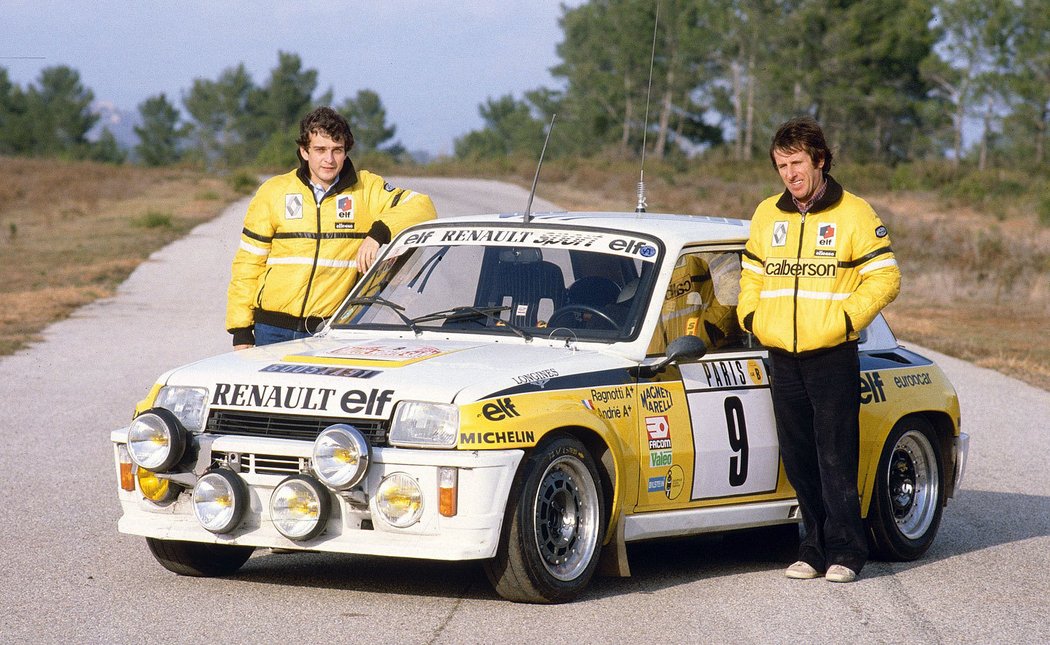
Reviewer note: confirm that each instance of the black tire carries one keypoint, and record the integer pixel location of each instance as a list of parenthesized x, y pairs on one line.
[(554, 527), (908, 498), (199, 559)]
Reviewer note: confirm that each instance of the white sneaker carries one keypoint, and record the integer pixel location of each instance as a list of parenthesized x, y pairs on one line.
[(839, 573), (802, 570)]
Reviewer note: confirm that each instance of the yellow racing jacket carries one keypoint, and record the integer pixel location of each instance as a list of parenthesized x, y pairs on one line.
[(296, 260), (812, 281)]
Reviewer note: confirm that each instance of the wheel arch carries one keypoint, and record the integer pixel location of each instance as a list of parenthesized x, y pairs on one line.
[(607, 460), (945, 430)]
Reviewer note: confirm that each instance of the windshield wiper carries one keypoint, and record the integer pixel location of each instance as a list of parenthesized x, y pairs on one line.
[(397, 309), (466, 313)]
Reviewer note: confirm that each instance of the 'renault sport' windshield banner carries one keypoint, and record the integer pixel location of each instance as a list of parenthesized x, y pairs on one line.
[(615, 243)]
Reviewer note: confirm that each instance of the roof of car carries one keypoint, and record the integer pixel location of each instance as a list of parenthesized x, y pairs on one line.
[(682, 228)]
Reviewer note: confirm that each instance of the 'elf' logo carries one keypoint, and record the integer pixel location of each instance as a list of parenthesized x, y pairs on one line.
[(500, 410), (826, 235)]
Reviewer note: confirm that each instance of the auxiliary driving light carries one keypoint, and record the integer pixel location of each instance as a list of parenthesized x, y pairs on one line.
[(341, 456), (156, 440), (155, 489), (399, 500), (300, 507), (220, 500)]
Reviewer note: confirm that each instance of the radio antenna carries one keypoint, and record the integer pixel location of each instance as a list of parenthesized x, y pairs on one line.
[(536, 179), (640, 208)]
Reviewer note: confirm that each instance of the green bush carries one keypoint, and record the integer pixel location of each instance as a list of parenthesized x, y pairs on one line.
[(925, 175), (243, 182), (154, 219), (981, 186)]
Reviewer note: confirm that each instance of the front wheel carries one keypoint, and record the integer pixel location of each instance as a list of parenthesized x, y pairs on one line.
[(909, 492), (555, 526), (199, 559)]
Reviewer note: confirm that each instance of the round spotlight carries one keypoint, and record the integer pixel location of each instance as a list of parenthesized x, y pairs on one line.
[(399, 500), (300, 507), (155, 489), (156, 440), (220, 500), (341, 456)]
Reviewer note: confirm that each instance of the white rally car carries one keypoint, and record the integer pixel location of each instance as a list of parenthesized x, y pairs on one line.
[(531, 394)]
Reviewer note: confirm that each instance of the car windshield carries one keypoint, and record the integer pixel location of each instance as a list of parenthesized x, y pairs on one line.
[(513, 281)]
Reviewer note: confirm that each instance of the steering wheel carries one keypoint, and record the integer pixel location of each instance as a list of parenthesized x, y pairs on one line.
[(570, 309)]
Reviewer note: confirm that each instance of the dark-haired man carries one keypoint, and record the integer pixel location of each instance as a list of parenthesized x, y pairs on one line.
[(309, 234), (817, 269)]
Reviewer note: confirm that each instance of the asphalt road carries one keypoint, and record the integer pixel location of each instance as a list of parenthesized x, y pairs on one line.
[(66, 575)]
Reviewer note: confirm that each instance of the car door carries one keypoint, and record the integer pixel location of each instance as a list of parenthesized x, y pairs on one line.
[(722, 442)]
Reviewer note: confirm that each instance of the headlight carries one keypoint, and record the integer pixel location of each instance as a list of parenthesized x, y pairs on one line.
[(299, 507), (156, 440), (187, 403), (420, 424), (220, 499), (341, 455), (399, 500)]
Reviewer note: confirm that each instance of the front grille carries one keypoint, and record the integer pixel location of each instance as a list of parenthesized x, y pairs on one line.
[(287, 426), (261, 464)]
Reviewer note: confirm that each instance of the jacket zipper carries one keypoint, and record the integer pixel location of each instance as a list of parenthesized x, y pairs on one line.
[(313, 269), (794, 300)]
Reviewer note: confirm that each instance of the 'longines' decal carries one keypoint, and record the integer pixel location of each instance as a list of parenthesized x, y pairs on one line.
[(604, 378)]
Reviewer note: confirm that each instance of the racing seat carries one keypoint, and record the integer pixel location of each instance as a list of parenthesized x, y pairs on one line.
[(527, 284)]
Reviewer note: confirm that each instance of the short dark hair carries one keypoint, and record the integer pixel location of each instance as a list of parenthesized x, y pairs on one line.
[(326, 121), (802, 133)]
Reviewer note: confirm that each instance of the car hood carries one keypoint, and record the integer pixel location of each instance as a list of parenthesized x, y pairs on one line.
[(366, 377)]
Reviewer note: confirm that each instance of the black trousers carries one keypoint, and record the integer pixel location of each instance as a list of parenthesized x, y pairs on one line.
[(816, 400)]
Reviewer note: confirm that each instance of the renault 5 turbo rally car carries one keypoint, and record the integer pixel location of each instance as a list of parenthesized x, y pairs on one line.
[(532, 394)]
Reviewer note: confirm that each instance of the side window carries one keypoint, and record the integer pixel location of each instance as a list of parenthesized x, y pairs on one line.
[(701, 300)]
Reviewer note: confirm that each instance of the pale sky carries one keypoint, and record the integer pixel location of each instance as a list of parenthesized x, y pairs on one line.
[(432, 62)]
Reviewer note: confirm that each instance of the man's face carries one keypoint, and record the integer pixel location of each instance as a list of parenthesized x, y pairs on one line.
[(324, 157), (800, 175)]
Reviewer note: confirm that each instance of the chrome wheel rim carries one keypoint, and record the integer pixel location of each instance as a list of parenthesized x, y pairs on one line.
[(566, 518), (913, 484)]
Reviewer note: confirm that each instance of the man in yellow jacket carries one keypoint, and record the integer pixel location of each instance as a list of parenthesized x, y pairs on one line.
[(818, 267), (309, 234)]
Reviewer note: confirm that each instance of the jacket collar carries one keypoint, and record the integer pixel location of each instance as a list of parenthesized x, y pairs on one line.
[(347, 178), (832, 195)]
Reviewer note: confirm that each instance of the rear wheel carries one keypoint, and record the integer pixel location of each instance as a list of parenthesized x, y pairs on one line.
[(909, 492), (555, 526), (199, 559)]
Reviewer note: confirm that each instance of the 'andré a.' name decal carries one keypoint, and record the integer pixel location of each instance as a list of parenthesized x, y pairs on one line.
[(289, 397)]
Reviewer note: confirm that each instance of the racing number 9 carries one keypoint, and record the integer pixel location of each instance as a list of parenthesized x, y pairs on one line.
[(737, 428)]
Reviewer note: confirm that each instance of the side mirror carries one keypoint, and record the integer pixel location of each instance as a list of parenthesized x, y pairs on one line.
[(683, 348)]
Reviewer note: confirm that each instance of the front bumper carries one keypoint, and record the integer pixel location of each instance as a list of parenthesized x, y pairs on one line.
[(355, 526)]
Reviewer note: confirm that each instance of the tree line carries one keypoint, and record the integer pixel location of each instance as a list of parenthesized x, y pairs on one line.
[(228, 122), (891, 81)]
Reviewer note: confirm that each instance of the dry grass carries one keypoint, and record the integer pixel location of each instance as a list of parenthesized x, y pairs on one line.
[(976, 285), (71, 232)]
